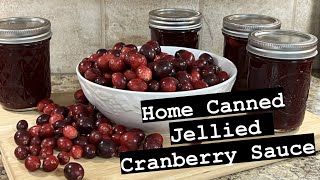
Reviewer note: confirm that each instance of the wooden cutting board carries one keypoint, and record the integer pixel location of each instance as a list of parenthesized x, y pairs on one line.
[(99, 168)]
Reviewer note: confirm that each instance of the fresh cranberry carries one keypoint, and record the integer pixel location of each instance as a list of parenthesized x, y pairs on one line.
[(122, 149), (195, 76), (46, 130), (49, 108), (89, 151), (116, 64), (119, 129), (155, 136), (106, 149), (179, 64), (137, 85), (43, 119), (84, 66), (103, 62), (69, 120), (114, 52), (21, 152), (185, 86), (22, 138), (101, 51), (167, 57), (34, 130), (223, 76), (50, 163), (80, 97), (144, 73), (22, 125), (63, 157), (200, 63), (32, 163), (105, 128), (45, 152), (70, 132), (43, 103), (137, 60), (60, 124), (152, 144), (148, 51), (81, 141), (162, 69), (207, 57), (118, 46), (179, 53), (125, 56), (118, 80), (199, 84), (140, 133), (188, 57), (108, 79), (48, 142), (130, 140), (85, 125), (183, 76), (73, 171), (54, 118), (35, 140), (101, 81), (91, 74), (64, 144), (168, 84), (211, 79), (61, 110), (116, 138), (153, 86), (207, 70), (132, 46), (76, 151), (129, 74), (155, 45), (34, 149), (94, 137)]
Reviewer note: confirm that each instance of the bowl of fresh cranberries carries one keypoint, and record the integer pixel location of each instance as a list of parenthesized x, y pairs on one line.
[(117, 79)]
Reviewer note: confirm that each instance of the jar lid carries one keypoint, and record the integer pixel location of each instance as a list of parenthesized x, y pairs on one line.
[(18, 30), (240, 25), (175, 19), (282, 44)]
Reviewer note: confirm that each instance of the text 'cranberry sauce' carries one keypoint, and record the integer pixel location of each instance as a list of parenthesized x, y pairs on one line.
[(236, 29), (283, 58), (24, 62)]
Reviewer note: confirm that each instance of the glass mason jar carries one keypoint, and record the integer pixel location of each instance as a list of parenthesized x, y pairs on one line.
[(24, 62), (283, 58), (175, 27), (236, 29)]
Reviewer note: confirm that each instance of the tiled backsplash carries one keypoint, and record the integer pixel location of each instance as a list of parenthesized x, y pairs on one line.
[(80, 27)]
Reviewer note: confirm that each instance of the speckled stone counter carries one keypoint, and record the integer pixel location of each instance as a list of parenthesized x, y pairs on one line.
[(306, 168)]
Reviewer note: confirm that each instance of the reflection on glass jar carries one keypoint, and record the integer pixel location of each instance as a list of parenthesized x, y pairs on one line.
[(24, 62), (283, 58)]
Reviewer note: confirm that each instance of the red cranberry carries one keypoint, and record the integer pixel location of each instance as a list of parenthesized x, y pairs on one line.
[(22, 125), (105, 128), (188, 57), (43, 119), (223, 76), (200, 63), (85, 125), (140, 133), (122, 149), (183, 76), (94, 57), (108, 79), (64, 144), (80, 97), (137, 60), (46, 130), (94, 137), (129, 74), (102, 120), (61, 110), (137, 85), (21, 152), (152, 144), (179, 53), (211, 79), (43, 103), (116, 64), (22, 138), (179, 64), (56, 117), (92, 74), (199, 84), (106, 149), (34, 149), (207, 57), (168, 84), (49, 108), (45, 152), (132, 46), (69, 120), (114, 52), (118, 80), (35, 140), (84, 66), (73, 171), (119, 129), (76, 151), (185, 86), (207, 70), (153, 86), (106, 137), (155, 46), (34, 130), (59, 124), (148, 51), (81, 141), (144, 73), (48, 142), (118, 46), (116, 138), (32, 163), (50, 163), (70, 132), (101, 51), (156, 137), (63, 158), (89, 151), (130, 140), (162, 69), (195, 76), (78, 109), (167, 57), (103, 62)]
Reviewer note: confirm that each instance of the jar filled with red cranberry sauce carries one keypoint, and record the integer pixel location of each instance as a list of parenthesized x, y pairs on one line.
[(236, 29), (283, 58), (176, 27), (24, 62)]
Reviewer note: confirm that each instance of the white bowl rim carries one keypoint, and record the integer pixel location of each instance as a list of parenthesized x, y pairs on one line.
[(162, 93)]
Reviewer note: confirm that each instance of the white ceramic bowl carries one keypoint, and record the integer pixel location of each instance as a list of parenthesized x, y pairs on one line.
[(123, 106)]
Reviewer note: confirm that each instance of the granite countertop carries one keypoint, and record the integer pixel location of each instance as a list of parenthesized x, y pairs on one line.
[(304, 168)]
